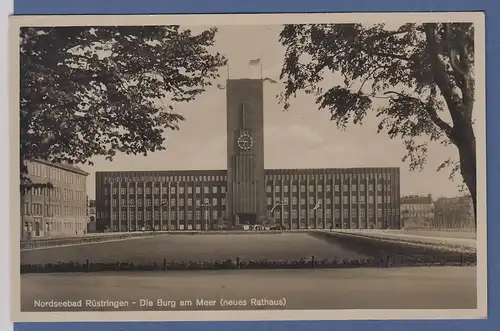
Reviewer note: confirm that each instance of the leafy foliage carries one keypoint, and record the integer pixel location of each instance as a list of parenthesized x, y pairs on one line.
[(96, 91), (420, 71)]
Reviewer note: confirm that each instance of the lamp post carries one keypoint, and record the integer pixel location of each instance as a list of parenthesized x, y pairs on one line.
[(278, 203), (318, 203), (206, 219)]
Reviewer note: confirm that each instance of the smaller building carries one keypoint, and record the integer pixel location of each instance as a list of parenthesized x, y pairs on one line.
[(58, 211), (417, 211)]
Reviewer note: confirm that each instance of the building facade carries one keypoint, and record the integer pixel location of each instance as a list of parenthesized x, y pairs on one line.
[(417, 211), (60, 211), (247, 193)]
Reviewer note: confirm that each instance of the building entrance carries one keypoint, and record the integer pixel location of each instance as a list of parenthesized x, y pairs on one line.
[(247, 218)]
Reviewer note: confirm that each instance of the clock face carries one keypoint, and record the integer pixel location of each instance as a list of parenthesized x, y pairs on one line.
[(245, 142)]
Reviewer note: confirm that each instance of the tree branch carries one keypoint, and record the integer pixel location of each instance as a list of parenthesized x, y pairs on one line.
[(439, 70), (431, 111)]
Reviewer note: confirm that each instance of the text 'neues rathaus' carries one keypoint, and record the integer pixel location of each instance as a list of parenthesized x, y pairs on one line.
[(246, 193)]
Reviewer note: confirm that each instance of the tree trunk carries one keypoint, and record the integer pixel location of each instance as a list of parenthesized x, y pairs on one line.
[(466, 144)]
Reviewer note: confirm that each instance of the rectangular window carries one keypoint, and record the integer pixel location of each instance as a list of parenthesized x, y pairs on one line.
[(181, 190), (362, 187), (198, 189), (294, 200), (346, 199), (190, 190), (206, 190), (269, 201), (215, 214), (311, 200), (214, 201), (285, 189), (223, 189), (370, 199), (354, 199), (320, 188), (268, 189), (214, 189), (190, 202), (311, 188), (190, 215), (302, 188), (148, 190), (181, 202), (277, 189), (172, 190), (172, 202)]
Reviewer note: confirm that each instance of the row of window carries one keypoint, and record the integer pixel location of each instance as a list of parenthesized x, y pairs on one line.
[(165, 190), (328, 201), (54, 174), (318, 214), (173, 202), (148, 216), (328, 188), (58, 192), (54, 226), (39, 209), (219, 178)]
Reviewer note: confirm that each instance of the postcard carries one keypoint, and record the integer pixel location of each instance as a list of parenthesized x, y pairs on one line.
[(248, 167)]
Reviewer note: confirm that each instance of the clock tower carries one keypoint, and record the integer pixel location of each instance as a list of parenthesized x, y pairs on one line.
[(245, 151)]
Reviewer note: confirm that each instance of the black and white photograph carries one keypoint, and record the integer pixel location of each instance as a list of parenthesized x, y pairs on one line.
[(228, 167)]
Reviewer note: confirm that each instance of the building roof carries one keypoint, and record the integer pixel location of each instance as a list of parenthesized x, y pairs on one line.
[(417, 200), (64, 166)]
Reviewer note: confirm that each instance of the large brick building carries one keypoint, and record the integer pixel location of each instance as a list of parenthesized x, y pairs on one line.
[(60, 211), (246, 193)]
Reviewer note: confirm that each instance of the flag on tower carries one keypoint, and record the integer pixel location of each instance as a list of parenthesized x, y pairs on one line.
[(254, 62)]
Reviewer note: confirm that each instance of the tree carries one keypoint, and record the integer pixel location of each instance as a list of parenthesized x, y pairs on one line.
[(96, 91), (422, 71)]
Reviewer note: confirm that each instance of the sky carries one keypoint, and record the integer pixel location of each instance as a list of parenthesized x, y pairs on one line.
[(301, 137)]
